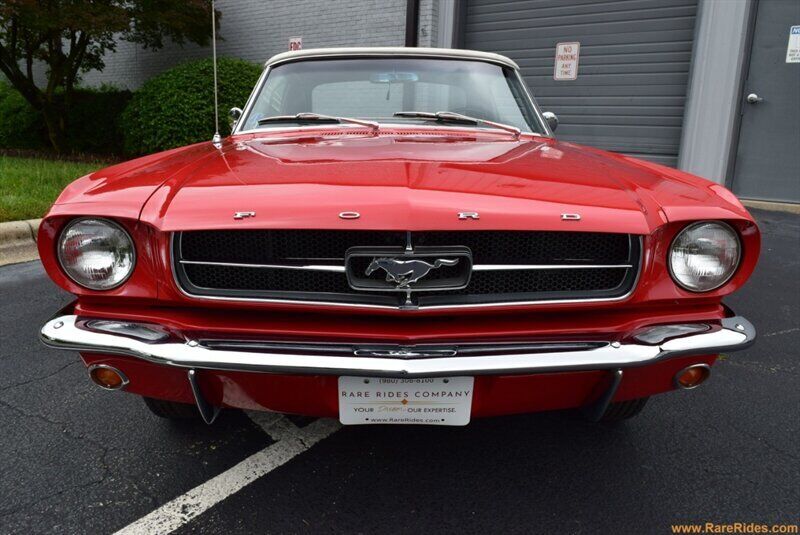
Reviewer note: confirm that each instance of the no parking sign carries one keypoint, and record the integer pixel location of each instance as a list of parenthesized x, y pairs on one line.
[(566, 67)]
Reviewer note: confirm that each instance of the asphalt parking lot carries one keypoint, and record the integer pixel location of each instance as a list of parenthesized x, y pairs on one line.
[(75, 459)]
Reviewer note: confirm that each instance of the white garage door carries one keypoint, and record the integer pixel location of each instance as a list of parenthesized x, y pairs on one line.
[(633, 71)]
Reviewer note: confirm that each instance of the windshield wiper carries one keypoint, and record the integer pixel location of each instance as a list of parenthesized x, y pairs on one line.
[(308, 117), (453, 117)]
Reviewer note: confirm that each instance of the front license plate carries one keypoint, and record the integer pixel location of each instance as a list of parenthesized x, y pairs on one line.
[(429, 401)]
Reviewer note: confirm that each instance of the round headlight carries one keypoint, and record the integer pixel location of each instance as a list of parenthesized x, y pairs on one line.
[(96, 253), (704, 256)]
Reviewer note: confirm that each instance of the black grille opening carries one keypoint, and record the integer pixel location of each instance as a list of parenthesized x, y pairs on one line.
[(520, 247), (257, 279), (536, 281), (277, 246), (197, 256)]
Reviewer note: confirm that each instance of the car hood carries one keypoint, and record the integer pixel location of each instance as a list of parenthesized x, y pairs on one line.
[(413, 181)]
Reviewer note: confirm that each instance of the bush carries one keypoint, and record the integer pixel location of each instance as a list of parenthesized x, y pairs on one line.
[(21, 127), (176, 107), (93, 121)]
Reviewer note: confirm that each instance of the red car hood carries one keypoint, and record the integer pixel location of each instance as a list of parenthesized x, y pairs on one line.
[(408, 181)]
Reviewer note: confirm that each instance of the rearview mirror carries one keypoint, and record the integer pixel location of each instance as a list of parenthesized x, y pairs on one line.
[(393, 77), (552, 120)]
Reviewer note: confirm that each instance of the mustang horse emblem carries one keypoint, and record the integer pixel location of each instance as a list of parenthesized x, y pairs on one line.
[(406, 272)]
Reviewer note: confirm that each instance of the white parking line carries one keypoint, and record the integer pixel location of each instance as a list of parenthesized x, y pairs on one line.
[(291, 441)]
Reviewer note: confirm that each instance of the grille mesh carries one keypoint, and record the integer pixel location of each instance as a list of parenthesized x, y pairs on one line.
[(235, 278), (328, 247), (269, 247), (517, 247), (562, 280)]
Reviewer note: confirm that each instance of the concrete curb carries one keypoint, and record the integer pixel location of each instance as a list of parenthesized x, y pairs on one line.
[(18, 241), (773, 206)]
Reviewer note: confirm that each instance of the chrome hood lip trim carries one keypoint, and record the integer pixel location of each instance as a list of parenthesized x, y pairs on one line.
[(65, 332)]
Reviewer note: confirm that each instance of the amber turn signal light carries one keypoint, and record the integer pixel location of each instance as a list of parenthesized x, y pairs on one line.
[(107, 377), (692, 376)]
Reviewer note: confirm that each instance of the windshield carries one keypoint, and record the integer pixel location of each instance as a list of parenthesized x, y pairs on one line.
[(377, 88)]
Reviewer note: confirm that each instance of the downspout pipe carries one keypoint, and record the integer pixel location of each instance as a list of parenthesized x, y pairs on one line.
[(412, 23)]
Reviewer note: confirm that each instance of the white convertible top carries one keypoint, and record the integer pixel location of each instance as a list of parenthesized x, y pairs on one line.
[(391, 51)]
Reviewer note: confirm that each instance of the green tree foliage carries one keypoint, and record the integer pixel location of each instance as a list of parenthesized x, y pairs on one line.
[(93, 121), (177, 107), (71, 37), (20, 126)]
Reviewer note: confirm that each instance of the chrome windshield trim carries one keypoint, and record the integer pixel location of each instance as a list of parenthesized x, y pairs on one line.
[(251, 100), (391, 125), (66, 332), (545, 126)]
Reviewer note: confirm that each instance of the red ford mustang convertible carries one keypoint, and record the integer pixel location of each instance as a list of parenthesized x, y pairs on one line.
[(396, 236)]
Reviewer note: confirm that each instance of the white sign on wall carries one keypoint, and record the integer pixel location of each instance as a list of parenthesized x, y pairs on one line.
[(295, 43), (793, 51), (567, 55)]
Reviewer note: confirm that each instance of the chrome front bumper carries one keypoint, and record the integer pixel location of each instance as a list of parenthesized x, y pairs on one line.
[(643, 347)]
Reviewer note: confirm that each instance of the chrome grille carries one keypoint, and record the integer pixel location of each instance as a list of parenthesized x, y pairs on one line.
[(308, 266)]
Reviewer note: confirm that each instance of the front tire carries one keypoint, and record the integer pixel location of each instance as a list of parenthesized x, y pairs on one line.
[(171, 410)]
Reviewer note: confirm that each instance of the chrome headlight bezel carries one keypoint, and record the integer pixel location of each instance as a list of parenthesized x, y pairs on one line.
[(71, 274), (718, 284)]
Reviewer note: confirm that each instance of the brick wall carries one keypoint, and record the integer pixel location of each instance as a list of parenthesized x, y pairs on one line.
[(428, 23), (257, 29)]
